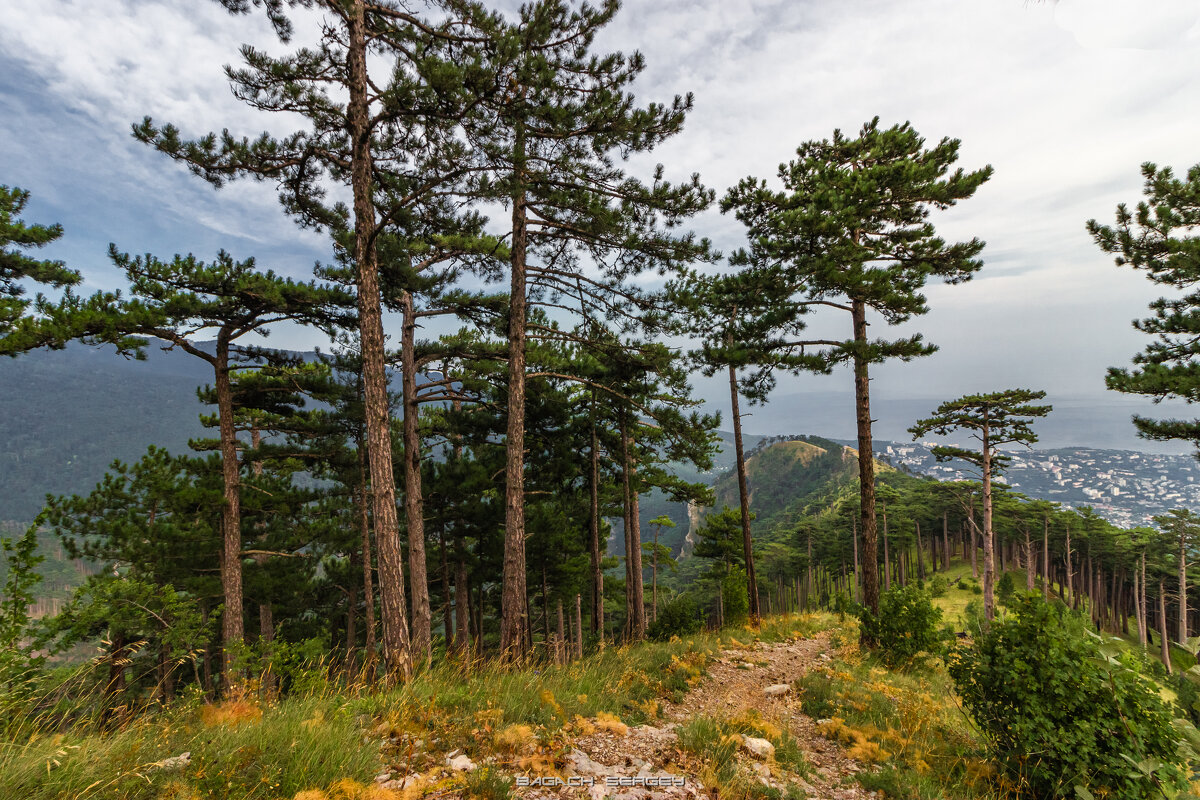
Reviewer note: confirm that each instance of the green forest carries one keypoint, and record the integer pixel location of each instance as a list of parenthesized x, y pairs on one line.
[(482, 530)]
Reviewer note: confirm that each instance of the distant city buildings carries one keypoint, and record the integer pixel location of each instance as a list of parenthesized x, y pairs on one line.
[(1125, 487)]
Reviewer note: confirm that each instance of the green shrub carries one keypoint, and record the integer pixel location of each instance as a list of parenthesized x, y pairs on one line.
[(906, 626), (938, 585), (489, 784), (678, 617), (733, 594), (1060, 708), (1006, 588), (975, 589), (1187, 693)]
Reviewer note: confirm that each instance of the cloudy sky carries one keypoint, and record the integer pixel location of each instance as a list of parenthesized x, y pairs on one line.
[(1064, 99)]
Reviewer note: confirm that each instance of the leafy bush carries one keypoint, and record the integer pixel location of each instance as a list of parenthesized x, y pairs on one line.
[(938, 585), (906, 626), (678, 617), (1061, 709)]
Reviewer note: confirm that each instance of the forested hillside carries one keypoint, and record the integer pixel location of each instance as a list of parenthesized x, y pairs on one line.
[(69, 414)]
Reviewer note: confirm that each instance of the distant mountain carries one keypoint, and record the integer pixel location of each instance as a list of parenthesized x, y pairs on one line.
[(784, 476), (65, 415)]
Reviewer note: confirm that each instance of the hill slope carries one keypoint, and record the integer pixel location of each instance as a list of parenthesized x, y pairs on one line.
[(67, 415)]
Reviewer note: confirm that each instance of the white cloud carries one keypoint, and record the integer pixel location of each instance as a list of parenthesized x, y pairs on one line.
[(1064, 99)]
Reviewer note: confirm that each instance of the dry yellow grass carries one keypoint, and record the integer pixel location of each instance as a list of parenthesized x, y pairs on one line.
[(610, 723), (230, 712), (514, 739)]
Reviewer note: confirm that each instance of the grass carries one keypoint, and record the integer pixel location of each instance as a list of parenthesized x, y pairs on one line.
[(336, 738), (907, 726), (714, 743)]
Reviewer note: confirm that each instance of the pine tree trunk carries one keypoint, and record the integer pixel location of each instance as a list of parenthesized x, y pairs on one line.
[(1046, 558), (989, 553), (887, 559), (946, 540), (1030, 560), (462, 602), (857, 574), (866, 462), (594, 533), (973, 533), (743, 498), (368, 579), (414, 507), (639, 595), (232, 621), (266, 618), (920, 556), (578, 626), (1070, 573), (1165, 653), (626, 525), (1143, 627), (447, 618), (560, 645), (351, 629), (808, 589), (396, 651), (514, 622), (654, 576), (1137, 606), (1183, 603), (634, 597)]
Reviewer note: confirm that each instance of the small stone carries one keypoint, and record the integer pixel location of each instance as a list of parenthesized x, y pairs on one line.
[(383, 777), (175, 762), (759, 748), (777, 689), (579, 763), (461, 763)]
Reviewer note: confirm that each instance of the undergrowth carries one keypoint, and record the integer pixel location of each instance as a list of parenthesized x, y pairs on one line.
[(343, 736), (906, 727)]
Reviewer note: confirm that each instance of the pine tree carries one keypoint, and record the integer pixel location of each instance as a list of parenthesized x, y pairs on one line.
[(153, 528), (745, 321), (1183, 528), (374, 134), (1161, 238), (27, 324), (16, 266), (994, 420), (549, 134), (174, 301), (850, 232)]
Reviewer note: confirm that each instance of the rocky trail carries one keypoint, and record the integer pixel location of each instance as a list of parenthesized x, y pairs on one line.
[(647, 763)]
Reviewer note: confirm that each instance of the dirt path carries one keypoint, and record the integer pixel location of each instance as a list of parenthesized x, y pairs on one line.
[(734, 686)]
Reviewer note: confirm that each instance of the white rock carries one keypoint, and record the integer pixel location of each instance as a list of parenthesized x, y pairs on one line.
[(578, 763), (383, 776), (174, 762), (777, 689), (759, 748), (461, 763)]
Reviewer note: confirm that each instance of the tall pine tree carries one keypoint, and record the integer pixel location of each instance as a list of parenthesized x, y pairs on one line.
[(850, 232)]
